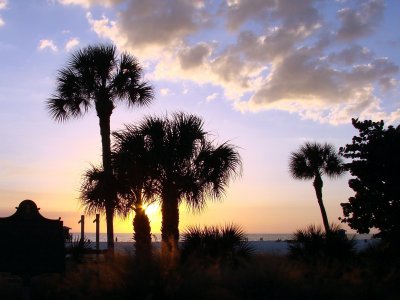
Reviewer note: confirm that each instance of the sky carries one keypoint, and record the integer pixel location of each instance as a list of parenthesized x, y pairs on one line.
[(265, 75)]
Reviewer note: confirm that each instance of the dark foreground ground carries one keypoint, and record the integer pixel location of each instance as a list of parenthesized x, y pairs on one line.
[(264, 276)]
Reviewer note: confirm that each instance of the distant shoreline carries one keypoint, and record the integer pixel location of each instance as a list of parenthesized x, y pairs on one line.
[(252, 237)]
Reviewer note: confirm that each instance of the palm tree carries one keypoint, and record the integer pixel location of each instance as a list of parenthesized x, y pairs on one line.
[(131, 184), (312, 161), (133, 172), (187, 167), (97, 77)]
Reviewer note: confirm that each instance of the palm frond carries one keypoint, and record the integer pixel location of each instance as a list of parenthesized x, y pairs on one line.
[(299, 167), (94, 190), (127, 83)]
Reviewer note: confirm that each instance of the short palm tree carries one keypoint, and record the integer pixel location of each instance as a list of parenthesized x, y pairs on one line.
[(136, 186), (187, 167), (97, 77), (312, 161)]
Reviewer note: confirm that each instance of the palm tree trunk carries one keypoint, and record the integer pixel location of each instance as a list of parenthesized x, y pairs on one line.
[(170, 223), (110, 228), (104, 122), (142, 235), (318, 191)]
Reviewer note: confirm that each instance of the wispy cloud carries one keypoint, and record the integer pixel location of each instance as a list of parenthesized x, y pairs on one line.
[(212, 97), (3, 5), (165, 91), (71, 44), (47, 44), (88, 3), (185, 91)]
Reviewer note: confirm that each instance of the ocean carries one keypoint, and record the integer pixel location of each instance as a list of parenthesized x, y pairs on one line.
[(128, 237)]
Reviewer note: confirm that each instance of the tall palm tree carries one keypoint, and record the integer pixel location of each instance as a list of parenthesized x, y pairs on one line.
[(96, 76), (187, 167), (312, 161)]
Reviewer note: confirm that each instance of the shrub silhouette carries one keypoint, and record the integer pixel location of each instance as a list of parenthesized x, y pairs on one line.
[(312, 243), (78, 247), (225, 245)]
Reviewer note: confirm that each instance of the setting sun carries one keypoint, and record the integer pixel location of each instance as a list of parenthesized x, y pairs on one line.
[(152, 210)]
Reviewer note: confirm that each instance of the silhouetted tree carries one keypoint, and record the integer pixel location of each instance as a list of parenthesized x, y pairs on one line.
[(133, 170), (96, 76), (375, 165), (312, 161), (187, 167)]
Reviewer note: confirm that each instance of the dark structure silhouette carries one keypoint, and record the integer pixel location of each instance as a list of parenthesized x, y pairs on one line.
[(312, 161), (97, 222), (30, 243), (97, 77)]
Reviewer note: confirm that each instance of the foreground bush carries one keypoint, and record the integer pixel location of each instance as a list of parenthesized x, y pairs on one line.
[(271, 277), (312, 243), (227, 244)]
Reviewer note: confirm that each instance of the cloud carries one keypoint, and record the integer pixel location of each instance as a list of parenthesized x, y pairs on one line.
[(47, 44), (211, 97), (106, 28), (361, 20), (289, 13), (185, 91), (162, 22), (352, 55), (165, 92), (191, 57), (238, 12), (88, 3), (277, 54), (163, 25), (71, 43), (3, 5)]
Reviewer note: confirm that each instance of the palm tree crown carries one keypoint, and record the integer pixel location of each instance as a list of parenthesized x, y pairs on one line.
[(312, 161), (314, 158)]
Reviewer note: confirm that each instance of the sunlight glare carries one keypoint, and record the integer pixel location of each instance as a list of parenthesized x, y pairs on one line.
[(152, 210)]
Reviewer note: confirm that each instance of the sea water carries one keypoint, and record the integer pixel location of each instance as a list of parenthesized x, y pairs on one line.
[(128, 237)]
